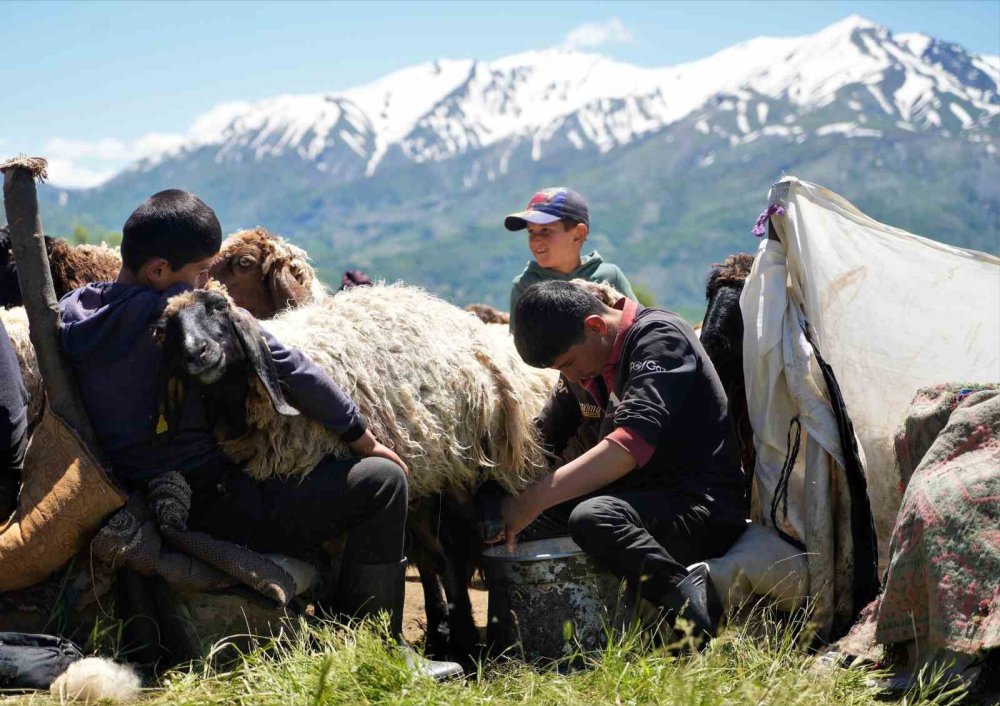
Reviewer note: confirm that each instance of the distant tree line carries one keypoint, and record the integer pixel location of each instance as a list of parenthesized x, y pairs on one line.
[(82, 235)]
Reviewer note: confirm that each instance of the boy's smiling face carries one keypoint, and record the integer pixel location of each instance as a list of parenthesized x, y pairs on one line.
[(556, 247)]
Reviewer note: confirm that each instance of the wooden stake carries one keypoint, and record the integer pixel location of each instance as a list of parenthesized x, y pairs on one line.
[(28, 242)]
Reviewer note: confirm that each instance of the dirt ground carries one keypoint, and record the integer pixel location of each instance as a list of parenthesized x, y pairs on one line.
[(414, 620)]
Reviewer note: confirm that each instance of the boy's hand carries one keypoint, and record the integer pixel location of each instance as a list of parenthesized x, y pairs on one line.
[(517, 513), (598, 467), (368, 445)]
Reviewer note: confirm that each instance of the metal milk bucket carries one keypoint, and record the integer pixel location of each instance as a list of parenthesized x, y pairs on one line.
[(549, 600)]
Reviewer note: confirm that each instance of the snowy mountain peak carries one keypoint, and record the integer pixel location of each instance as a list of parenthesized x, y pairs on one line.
[(850, 24), (442, 109)]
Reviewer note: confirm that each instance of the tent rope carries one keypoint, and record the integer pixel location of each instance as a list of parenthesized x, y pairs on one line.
[(781, 491)]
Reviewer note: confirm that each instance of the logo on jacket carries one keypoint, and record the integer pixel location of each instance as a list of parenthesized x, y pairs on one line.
[(648, 366), (591, 411)]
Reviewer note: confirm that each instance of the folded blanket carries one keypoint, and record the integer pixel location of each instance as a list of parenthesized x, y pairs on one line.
[(941, 587)]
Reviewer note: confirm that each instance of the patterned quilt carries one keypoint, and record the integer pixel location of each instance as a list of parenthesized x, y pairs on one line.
[(942, 586)]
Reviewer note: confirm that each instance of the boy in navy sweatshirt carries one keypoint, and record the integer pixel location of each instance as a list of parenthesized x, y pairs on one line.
[(168, 244), (13, 425), (662, 488)]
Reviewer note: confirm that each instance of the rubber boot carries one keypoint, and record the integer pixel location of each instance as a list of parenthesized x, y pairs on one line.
[(367, 589), (695, 600)]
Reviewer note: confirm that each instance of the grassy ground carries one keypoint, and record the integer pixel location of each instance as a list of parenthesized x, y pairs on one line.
[(757, 662)]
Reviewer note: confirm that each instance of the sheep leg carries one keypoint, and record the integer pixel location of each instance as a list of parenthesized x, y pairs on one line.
[(425, 553), (436, 638), (462, 547), (464, 633)]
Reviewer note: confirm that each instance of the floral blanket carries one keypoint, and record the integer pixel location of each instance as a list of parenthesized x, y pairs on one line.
[(942, 586)]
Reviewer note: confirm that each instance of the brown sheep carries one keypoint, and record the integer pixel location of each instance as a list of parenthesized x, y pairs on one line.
[(489, 315), (264, 273), (72, 267)]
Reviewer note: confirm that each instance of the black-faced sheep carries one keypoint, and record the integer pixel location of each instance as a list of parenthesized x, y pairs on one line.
[(430, 379), (444, 391), (265, 274), (72, 266)]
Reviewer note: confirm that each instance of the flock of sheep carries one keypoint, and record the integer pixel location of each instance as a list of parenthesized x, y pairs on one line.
[(445, 390), (444, 387)]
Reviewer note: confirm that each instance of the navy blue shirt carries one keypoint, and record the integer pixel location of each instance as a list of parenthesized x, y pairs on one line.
[(13, 404), (106, 332)]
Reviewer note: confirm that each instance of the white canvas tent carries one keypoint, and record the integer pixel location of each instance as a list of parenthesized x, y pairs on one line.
[(889, 312)]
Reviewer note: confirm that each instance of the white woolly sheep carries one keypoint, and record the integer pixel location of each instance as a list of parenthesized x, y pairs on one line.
[(446, 391), (451, 397)]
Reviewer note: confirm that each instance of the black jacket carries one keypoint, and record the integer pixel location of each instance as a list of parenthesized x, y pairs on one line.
[(668, 393)]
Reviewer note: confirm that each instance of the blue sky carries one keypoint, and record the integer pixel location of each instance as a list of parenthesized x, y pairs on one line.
[(94, 82)]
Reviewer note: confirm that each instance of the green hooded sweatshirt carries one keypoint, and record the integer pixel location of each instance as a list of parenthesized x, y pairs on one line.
[(592, 268)]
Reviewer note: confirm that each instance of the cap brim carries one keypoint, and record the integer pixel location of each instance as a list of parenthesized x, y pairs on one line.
[(520, 221)]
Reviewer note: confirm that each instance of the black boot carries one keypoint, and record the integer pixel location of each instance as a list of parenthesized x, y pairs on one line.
[(695, 600), (366, 589)]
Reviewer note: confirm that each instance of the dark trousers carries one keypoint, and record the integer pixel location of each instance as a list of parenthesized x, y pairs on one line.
[(365, 498), (11, 465), (647, 537)]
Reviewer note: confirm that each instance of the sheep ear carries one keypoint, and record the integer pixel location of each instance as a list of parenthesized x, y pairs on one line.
[(286, 292), (259, 357)]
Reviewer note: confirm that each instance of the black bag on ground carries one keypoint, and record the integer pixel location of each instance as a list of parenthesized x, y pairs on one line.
[(34, 661)]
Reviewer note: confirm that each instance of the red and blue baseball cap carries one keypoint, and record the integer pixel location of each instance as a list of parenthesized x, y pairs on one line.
[(549, 206)]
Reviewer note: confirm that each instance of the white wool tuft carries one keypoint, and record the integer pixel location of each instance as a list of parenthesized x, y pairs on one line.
[(448, 393), (94, 679)]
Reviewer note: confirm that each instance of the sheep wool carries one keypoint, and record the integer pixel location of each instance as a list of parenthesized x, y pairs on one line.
[(94, 679), (452, 398), (74, 266)]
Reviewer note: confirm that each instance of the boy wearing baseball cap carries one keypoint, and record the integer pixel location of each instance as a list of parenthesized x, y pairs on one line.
[(558, 221)]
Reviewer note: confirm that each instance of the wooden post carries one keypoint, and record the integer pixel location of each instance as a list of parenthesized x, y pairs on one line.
[(28, 242)]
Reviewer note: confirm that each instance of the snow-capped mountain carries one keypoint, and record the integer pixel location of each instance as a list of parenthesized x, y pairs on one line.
[(409, 176), (559, 98)]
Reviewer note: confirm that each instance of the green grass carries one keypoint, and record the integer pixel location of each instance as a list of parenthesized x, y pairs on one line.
[(758, 662)]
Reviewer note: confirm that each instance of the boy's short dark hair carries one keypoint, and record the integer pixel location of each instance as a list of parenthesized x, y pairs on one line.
[(173, 224), (569, 223), (548, 320)]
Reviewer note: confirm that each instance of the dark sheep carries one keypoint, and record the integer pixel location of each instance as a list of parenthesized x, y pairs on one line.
[(722, 337)]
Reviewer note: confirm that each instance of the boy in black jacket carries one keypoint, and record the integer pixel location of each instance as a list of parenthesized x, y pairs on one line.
[(663, 487)]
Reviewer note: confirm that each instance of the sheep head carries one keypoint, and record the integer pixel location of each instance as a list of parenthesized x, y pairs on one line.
[(263, 272), (603, 291), (208, 341), (488, 314), (731, 272)]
